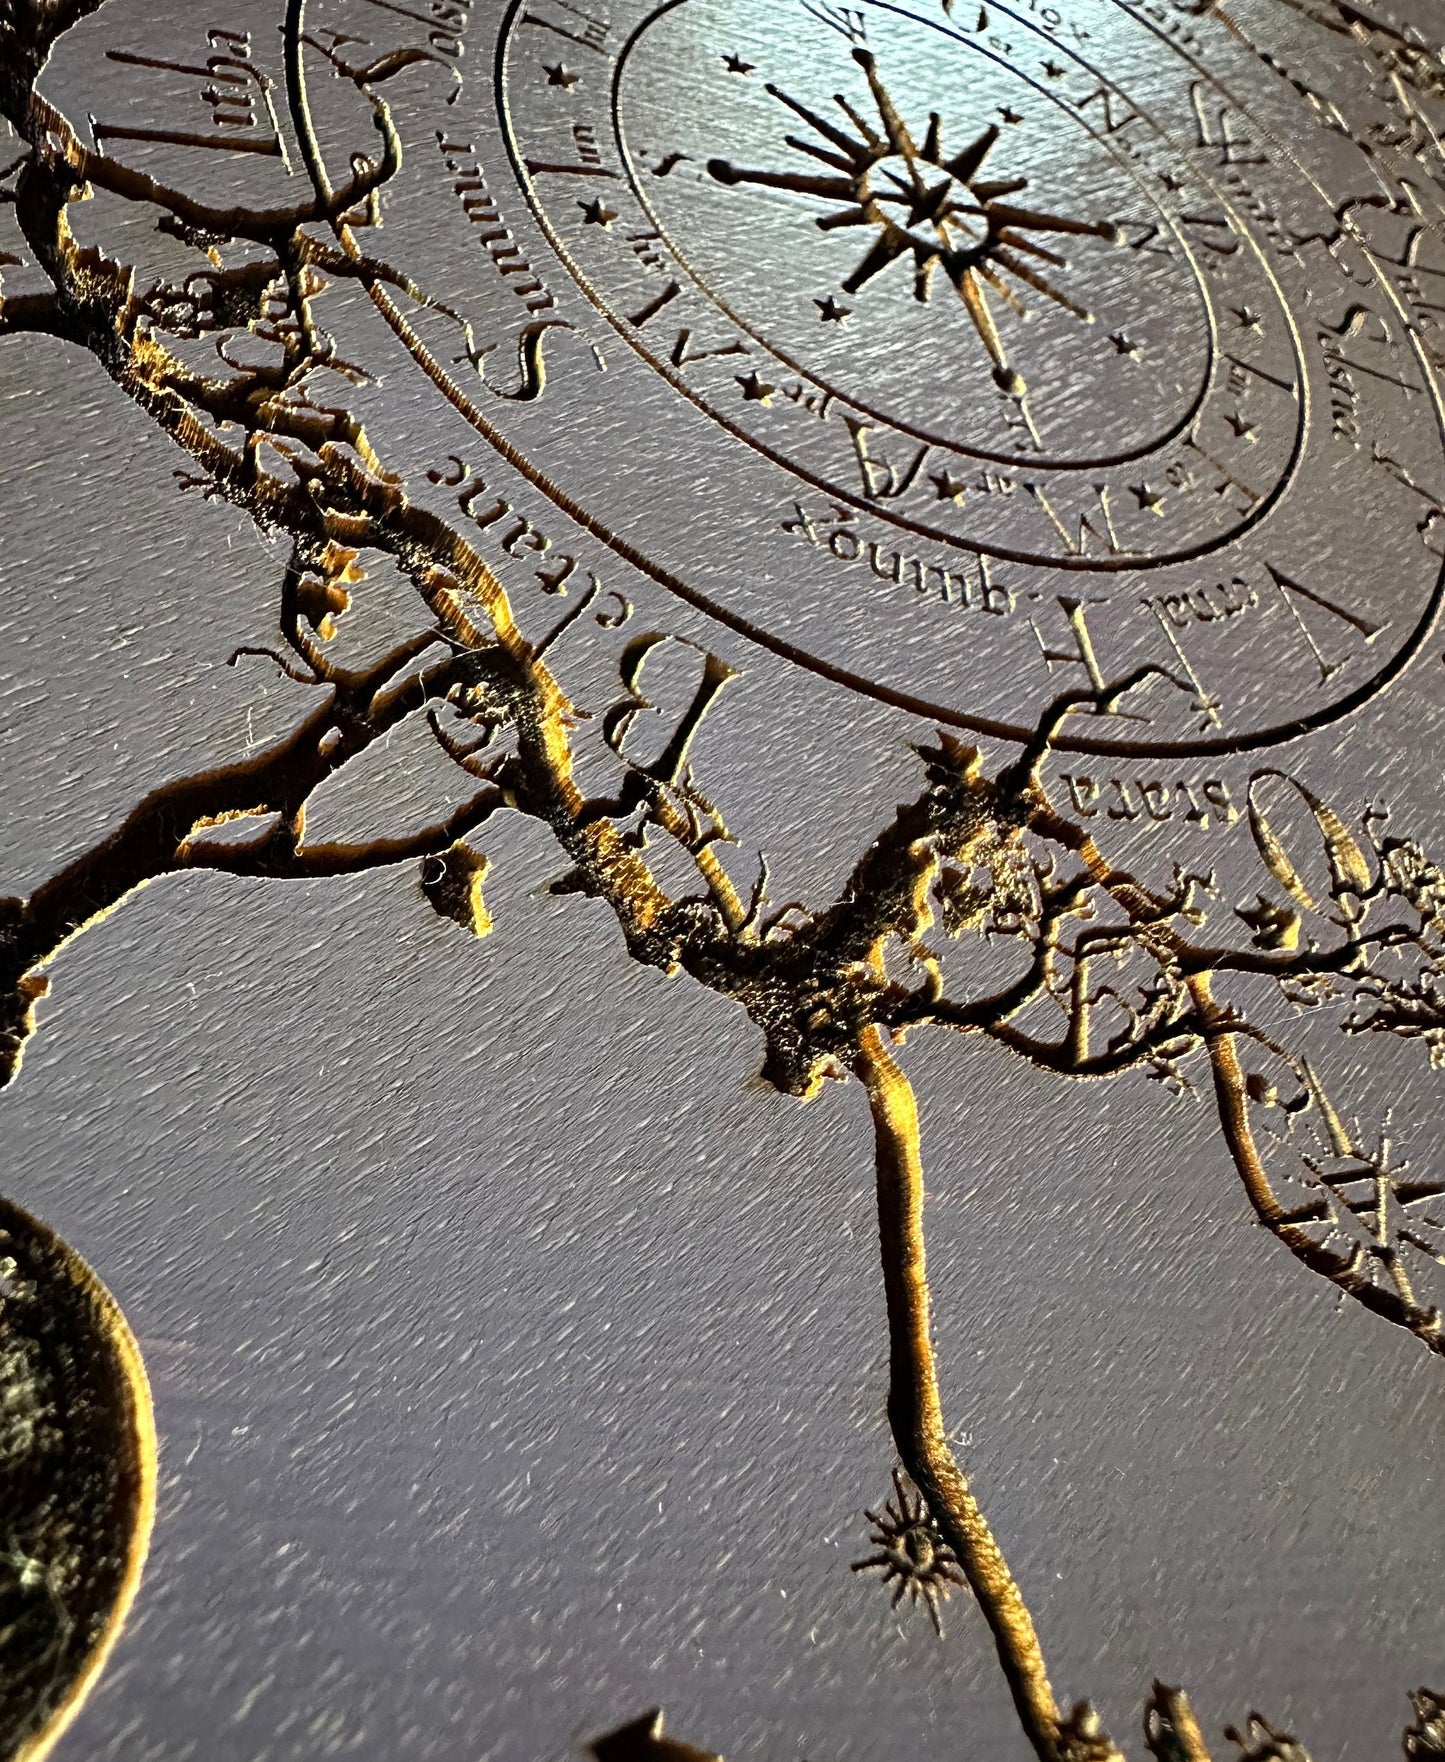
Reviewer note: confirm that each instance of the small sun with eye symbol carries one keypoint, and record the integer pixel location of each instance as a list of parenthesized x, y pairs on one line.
[(911, 1550)]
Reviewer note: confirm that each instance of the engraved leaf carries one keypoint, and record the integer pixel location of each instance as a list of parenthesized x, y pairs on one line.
[(1276, 857), (1171, 1732), (644, 1740), (1262, 1742), (1349, 872)]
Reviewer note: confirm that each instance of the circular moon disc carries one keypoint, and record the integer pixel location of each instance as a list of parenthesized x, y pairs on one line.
[(77, 1480)]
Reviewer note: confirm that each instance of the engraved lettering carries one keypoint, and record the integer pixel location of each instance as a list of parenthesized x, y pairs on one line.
[(1159, 799), (572, 23), (651, 309), (848, 21), (480, 208), (1291, 591), (617, 725), (683, 353), (1082, 653), (971, 588), (882, 481), (1115, 112), (1225, 137), (1077, 544)]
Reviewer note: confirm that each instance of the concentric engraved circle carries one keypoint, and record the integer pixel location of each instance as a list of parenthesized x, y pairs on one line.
[(967, 252), (970, 278), (1054, 352)]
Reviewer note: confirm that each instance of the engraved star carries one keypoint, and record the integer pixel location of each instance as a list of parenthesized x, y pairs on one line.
[(941, 212), (560, 76), (736, 64), (1053, 70), (1169, 181), (948, 488), (1124, 346), (830, 312), (755, 390), (1147, 498), (594, 213), (1245, 319), (1243, 430)]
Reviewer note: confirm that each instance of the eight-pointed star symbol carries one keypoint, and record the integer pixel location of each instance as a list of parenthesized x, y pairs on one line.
[(755, 390), (594, 213), (561, 76)]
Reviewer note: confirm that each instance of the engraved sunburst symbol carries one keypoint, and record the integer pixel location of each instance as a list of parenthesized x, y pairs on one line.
[(940, 210), (910, 1548)]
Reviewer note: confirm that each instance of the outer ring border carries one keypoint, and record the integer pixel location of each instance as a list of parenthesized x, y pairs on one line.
[(1275, 735)]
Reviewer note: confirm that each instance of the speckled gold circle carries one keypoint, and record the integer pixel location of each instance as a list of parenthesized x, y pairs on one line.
[(77, 1481)]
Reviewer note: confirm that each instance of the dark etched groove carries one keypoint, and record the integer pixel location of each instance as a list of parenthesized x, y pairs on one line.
[(974, 854)]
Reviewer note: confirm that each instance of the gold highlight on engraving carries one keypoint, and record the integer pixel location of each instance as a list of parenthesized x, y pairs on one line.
[(643, 1740), (77, 1481), (1113, 974)]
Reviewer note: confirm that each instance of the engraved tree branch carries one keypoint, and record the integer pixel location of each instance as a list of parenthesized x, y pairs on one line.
[(1112, 975)]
